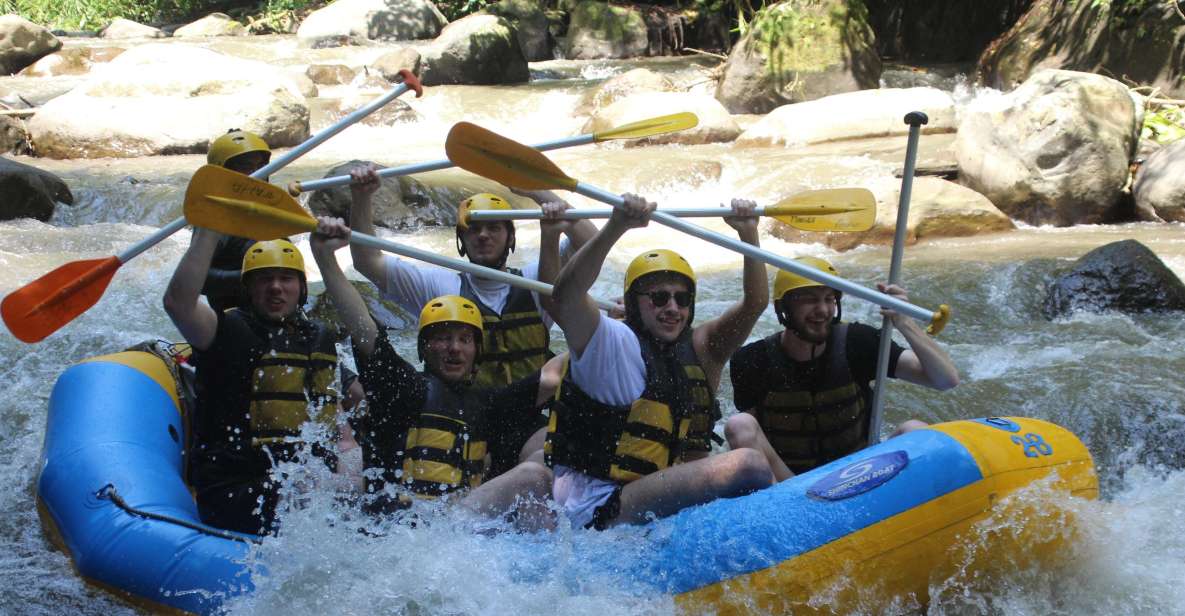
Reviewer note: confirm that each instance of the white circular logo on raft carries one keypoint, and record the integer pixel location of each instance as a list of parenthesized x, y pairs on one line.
[(859, 477)]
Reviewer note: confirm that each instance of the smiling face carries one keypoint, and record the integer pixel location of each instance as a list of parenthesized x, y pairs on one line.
[(274, 292), (487, 243), (450, 349), (664, 321), (810, 312)]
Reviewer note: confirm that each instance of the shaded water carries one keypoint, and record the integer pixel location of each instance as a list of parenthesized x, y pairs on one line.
[(1114, 380)]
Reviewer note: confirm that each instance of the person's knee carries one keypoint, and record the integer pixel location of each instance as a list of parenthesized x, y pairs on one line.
[(534, 478), (741, 431), (747, 471), (909, 426)]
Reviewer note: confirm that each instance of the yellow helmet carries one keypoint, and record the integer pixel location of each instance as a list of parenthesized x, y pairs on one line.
[(786, 282), (273, 253), (658, 260), (449, 309), (234, 143), (481, 201)]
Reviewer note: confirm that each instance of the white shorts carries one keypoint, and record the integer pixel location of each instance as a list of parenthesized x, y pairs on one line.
[(580, 494)]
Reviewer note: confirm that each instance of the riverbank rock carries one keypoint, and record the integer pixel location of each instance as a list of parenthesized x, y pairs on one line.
[(71, 61), (1123, 276), (121, 28), (530, 27), (214, 24), (30, 192), (14, 137), (1097, 37), (1160, 184), (937, 209), (389, 64), (169, 99), (22, 43), (799, 50), (478, 49), (387, 314), (399, 202), (330, 74), (715, 124), (1054, 151), (394, 112), (853, 115), (358, 22), (620, 86), (599, 30)]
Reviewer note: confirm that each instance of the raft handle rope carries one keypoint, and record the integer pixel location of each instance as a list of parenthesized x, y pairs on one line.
[(108, 492)]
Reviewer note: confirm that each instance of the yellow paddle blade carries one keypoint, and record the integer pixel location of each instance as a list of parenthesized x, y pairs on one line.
[(232, 203), (830, 209), (647, 128), (507, 162)]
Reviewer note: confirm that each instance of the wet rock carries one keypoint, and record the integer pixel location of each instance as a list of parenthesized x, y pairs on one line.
[(530, 27), (133, 106), (307, 88), (30, 192), (22, 43), (14, 137), (852, 115), (387, 314), (330, 74), (937, 209), (620, 86), (1160, 183), (389, 64), (1054, 151), (358, 22), (394, 112), (71, 61), (715, 124), (824, 47), (600, 30), (478, 49), (1122, 276), (121, 28), (398, 203), (214, 24)]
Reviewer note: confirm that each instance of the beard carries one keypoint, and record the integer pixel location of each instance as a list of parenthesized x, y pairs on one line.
[(813, 335)]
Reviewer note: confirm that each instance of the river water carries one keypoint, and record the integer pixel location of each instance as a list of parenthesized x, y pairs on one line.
[(1114, 380)]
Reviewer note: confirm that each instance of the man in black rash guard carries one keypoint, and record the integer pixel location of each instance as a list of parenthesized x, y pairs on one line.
[(429, 431), (805, 391)]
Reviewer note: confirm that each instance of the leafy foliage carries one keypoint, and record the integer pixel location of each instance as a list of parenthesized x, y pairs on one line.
[(1165, 125), (96, 14)]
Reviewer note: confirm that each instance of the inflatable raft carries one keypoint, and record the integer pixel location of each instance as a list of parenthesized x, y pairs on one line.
[(872, 526)]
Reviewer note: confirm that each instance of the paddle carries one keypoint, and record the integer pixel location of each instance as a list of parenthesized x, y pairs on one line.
[(833, 209), (39, 308), (635, 130), (228, 202), (488, 154)]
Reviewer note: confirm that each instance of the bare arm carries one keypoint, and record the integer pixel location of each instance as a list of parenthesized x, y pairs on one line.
[(716, 340), (196, 321), (367, 260), (332, 234), (550, 376), (924, 362), (550, 229)]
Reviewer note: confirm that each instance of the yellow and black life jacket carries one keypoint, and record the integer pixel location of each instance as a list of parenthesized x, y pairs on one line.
[(811, 426), (515, 343), (705, 409), (446, 446), (623, 443)]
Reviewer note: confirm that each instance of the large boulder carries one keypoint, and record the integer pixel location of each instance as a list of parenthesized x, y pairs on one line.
[(620, 86), (530, 26), (1054, 151), (1124, 276), (1159, 188), (853, 115), (121, 28), (387, 314), (14, 137), (398, 203), (478, 49), (715, 124), (937, 209), (30, 192), (394, 112), (22, 43), (329, 74), (71, 61), (800, 50), (600, 30), (169, 99), (389, 64), (358, 22), (214, 24)]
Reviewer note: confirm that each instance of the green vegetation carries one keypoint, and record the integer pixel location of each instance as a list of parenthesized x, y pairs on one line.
[(1164, 125), (456, 9), (96, 14)]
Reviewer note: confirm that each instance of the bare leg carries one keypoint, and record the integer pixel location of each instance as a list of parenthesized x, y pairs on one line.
[(742, 430), (523, 489), (532, 450), (670, 490), (908, 426)]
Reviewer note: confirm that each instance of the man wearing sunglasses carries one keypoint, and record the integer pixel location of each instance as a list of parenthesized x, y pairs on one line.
[(639, 395), (804, 392)]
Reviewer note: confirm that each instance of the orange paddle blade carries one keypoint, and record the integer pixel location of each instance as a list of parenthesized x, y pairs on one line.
[(39, 308)]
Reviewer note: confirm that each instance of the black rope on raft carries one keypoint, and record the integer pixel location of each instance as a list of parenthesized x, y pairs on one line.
[(109, 492)]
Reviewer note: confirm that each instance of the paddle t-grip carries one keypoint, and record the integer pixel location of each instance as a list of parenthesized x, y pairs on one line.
[(916, 118)]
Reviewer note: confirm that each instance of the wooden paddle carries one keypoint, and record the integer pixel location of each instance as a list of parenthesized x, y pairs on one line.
[(232, 203), (39, 308), (831, 209), (635, 130), (488, 154)]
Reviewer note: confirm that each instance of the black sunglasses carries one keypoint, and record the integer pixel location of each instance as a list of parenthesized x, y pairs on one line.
[(660, 298)]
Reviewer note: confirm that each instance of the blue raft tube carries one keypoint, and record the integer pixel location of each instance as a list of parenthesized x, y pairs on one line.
[(873, 526)]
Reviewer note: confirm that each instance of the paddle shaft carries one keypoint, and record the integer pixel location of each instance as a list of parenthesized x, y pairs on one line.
[(764, 256), (342, 180), (681, 212), (915, 120), (275, 165)]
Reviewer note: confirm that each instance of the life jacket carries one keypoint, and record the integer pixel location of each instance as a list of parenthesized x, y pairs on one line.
[(812, 419), (705, 408), (515, 342), (446, 445), (623, 443)]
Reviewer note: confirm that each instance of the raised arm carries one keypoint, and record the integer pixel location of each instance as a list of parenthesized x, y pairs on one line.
[(196, 321), (572, 308), (369, 261), (718, 339), (924, 362), (332, 234)]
